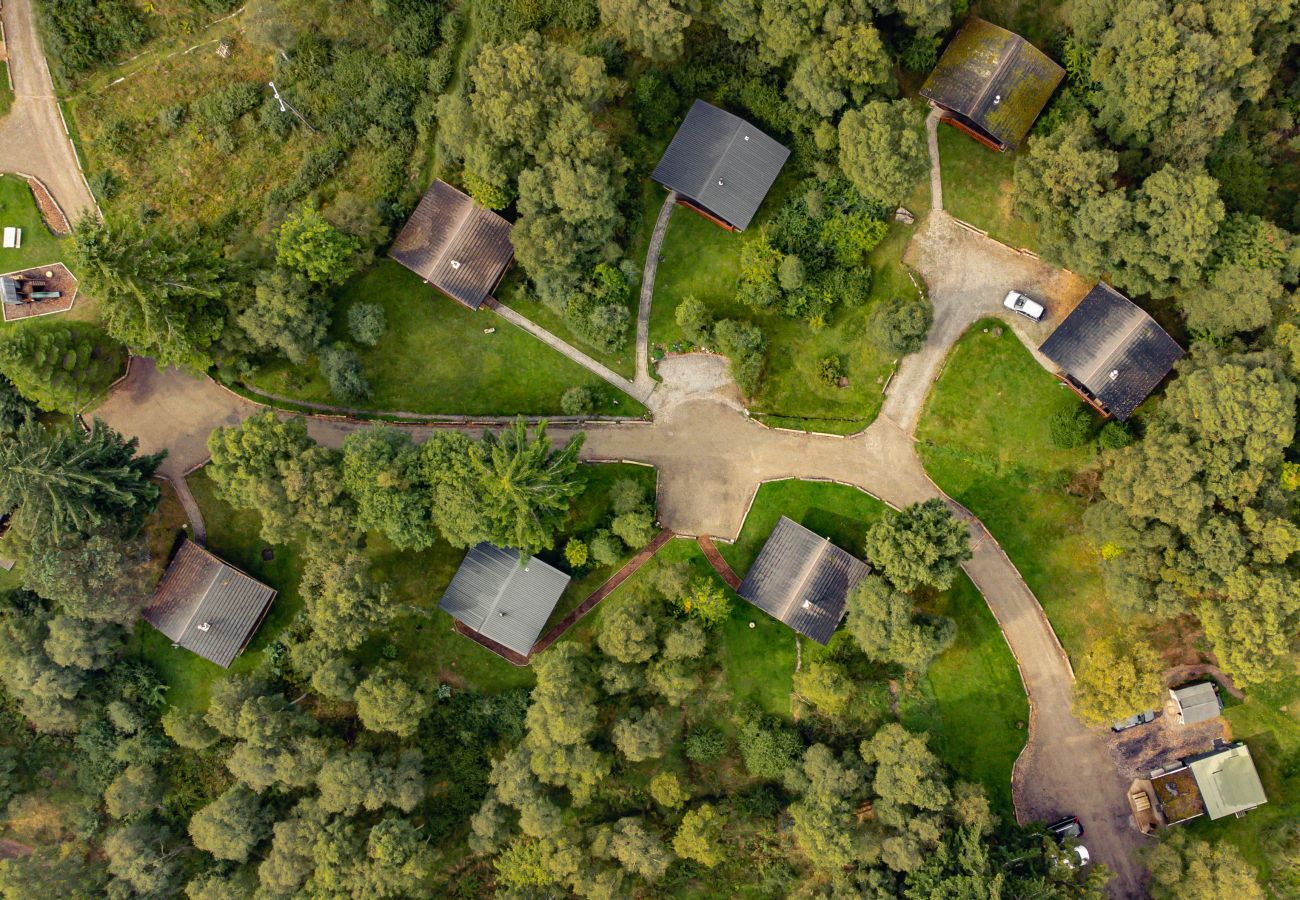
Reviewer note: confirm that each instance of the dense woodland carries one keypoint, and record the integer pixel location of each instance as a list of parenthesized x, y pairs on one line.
[(1167, 163)]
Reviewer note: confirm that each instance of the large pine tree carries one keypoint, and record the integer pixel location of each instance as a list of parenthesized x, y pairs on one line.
[(64, 481)]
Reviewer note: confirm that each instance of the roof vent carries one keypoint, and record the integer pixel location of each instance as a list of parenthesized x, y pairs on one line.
[(807, 604), (205, 626), (502, 613), (719, 182), (455, 264), (746, 137), (997, 98), (1114, 373)]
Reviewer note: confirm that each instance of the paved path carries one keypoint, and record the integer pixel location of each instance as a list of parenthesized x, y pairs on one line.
[(32, 136), (932, 141), (720, 565), (648, 288), (639, 391)]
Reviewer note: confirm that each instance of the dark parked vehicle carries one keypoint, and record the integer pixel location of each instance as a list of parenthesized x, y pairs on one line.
[(1141, 718), (1067, 827)]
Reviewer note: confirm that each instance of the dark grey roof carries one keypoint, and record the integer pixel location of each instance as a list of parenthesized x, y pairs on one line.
[(454, 244), (1114, 349), (502, 600), (802, 579), (722, 163), (1197, 702), (208, 606), (995, 79)]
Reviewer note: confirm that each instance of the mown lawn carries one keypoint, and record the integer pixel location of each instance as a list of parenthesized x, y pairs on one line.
[(972, 703), (703, 260), (982, 713), (424, 640), (977, 188), (435, 358), (18, 208), (984, 438)]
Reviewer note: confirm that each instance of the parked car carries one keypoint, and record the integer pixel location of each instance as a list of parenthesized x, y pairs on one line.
[(1078, 857), (1141, 718), (1019, 303), (1066, 827)]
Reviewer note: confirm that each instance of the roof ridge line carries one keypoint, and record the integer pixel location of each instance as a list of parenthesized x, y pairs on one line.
[(1122, 341), (1013, 50), (501, 591), (809, 567), (723, 155), (460, 226), (204, 596)]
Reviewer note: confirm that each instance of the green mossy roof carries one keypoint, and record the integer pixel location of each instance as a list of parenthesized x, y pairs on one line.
[(994, 78)]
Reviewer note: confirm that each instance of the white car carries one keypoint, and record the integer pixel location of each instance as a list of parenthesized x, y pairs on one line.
[(1019, 303), (1078, 857)]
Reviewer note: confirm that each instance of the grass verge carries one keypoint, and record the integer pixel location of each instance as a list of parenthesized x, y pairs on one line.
[(984, 438), (977, 188), (436, 358)]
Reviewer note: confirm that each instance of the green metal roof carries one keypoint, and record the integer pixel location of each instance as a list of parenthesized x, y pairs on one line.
[(1228, 781), (994, 78)]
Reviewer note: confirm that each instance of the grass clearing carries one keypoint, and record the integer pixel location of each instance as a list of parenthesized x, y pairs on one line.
[(424, 640), (977, 188), (972, 702), (234, 536), (435, 358), (984, 438)]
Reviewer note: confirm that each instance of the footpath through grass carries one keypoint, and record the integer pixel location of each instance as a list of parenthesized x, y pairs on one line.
[(436, 358), (703, 261), (978, 188), (984, 438)]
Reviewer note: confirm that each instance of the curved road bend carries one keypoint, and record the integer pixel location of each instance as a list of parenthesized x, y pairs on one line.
[(32, 137)]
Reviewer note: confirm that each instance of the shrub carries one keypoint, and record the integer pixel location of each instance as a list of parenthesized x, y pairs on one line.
[(830, 370), (605, 548), (577, 401), (705, 744), (636, 528), (342, 370), (695, 320), (626, 495), (768, 749), (1114, 435), (1070, 427), (227, 105), (706, 601), (171, 117), (575, 553), (367, 323), (743, 342), (901, 327), (790, 274)]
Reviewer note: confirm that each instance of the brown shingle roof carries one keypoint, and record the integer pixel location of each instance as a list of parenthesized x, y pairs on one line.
[(456, 245), (207, 605)]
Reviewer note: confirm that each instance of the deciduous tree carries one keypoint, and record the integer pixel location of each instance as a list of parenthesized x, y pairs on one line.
[(309, 245), (923, 544), (1117, 678), (881, 149)]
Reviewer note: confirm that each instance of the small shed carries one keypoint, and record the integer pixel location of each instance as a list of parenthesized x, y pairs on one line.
[(992, 84), (502, 599), (459, 247), (802, 579), (1196, 703), (1111, 352), (1228, 782), (207, 606), (720, 165)]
